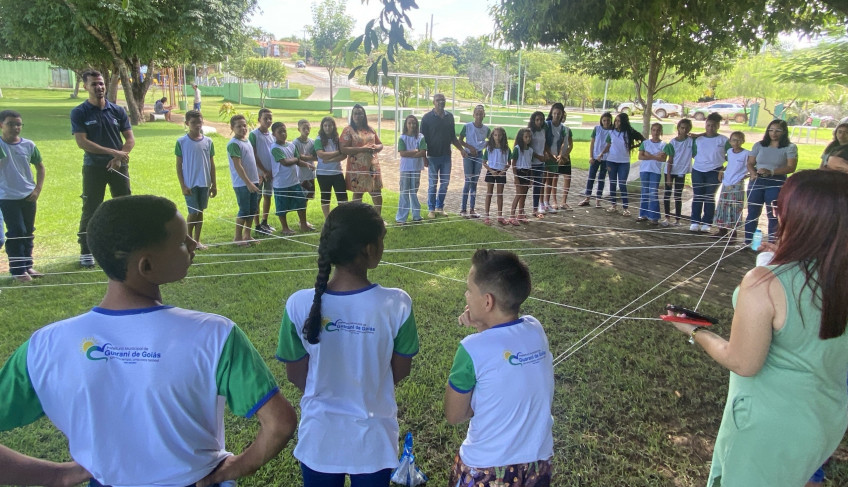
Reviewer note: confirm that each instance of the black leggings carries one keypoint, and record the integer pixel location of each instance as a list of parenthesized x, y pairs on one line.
[(336, 182), (678, 182)]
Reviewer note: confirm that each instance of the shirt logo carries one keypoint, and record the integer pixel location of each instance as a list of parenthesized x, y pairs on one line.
[(127, 355), (347, 327), (524, 358)]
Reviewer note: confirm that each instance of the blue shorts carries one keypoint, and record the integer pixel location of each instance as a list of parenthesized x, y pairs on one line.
[(197, 106), (248, 203), (289, 199), (198, 200), (266, 187)]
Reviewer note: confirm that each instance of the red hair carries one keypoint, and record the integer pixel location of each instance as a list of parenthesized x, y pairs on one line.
[(813, 214)]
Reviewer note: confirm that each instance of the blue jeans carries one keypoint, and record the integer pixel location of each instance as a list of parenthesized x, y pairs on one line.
[(649, 206), (537, 175), (618, 172), (311, 478), (20, 225), (761, 191), (472, 166), (704, 186), (596, 169), (439, 175), (410, 181)]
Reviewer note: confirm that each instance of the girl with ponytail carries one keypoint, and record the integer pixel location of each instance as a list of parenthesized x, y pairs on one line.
[(346, 343)]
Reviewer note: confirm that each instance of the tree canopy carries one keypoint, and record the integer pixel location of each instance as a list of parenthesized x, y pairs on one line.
[(122, 35)]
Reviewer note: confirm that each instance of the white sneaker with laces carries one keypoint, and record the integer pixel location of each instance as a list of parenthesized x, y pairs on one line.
[(694, 227), (705, 228)]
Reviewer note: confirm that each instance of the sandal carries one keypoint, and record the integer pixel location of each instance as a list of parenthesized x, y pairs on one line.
[(487, 221), (612, 209), (625, 212), (514, 222), (502, 221), (598, 203), (585, 202)]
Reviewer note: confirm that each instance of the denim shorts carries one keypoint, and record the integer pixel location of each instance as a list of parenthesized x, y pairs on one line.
[(248, 203), (198, 200), (289, 199)]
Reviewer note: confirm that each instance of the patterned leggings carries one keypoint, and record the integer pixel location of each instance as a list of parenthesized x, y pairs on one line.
[(534, 474)]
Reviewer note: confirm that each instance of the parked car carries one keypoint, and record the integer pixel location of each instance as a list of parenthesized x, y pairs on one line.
[(661, 108), (732, 111), (300, 64)]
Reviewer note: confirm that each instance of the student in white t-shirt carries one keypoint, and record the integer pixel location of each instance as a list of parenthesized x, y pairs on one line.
[(473, 137), (710, 151), (346, 343), (728, 213), (196, 172), (306, 149), (288, 193), (679, 165), (412, 149), (652, 154), (509, 433), (261, 140), (139, 387)]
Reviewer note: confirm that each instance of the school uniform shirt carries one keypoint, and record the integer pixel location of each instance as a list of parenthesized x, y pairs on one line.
[(496, 159), (284, 176), (618, 151), (709, 152), (305, 149), (509, 370), (262, 142), (348, 419), (139, 393), (538, 145), (197, 160), (522, 158), (327, 168), (407, 143), (556, 136), (16, 161), (737, 167), (681, 153), (243, 150), (476, 137), (650, 165), (600, 135)]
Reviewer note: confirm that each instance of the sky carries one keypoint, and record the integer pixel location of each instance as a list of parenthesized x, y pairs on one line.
[(457, 19)]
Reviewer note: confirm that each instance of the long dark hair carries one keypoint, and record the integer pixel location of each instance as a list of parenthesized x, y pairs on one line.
[(632, 138), (830, 146), (519, 139), (813, 231), (551, 111), (532, 126), (353, 120), (349, 228), (784, 139), (334, 136), (504, 142)]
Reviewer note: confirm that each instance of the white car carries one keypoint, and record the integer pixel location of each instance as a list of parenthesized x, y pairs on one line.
[(661, 108), (732, 111)]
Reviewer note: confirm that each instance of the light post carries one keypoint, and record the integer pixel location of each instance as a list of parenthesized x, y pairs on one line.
[(492, 95), (417, 85)]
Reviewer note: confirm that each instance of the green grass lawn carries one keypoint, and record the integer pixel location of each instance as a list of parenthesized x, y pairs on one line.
[(636, 407)]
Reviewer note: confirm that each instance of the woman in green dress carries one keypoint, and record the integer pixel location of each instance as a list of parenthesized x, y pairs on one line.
[(788, 350)]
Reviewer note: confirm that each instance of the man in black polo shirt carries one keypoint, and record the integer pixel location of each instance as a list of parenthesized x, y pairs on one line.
[(439, 131), (98, 125)]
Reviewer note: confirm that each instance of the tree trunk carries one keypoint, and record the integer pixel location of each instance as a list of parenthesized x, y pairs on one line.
[(112, 86), (650, 87)]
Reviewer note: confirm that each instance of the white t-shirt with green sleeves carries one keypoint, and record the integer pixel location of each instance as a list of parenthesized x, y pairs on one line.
[(197, 160), (407, 143), (327, 168), (681, 153), (523, 158), (16, 161), (710, 152), (348, 419), (306, 148), (262, 142), (650, 165), (140, 393), (284, 176), (476, 137), (509, 370), (496, 159), (244, 151)]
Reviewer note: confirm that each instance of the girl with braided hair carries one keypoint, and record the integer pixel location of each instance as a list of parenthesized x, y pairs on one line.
[(346, 343)]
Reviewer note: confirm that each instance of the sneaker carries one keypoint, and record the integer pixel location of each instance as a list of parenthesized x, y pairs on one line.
[(86, 261), (541, 210), (552, 209), (640, 218), (625, 212), (463, 214), (34, 273), (694, 227), (585, 202), (268, 228), (598, 203), (473, 214), (653, 222), (664, 223), (705, 228), (612, 209), (23, 277), (431, 215)]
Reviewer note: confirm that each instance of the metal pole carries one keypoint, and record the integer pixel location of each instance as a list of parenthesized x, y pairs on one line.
[(453, 99), (606, 87), (492, 95), (379, 104), (417, 85), (518, 91), (397, 114)]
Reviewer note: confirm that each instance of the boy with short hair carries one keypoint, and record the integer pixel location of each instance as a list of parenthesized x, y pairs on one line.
[(509, 433), (288, 193), (261, 139), (245, 176), (19, 193), (171, 370), (306, 149), (196, 172)]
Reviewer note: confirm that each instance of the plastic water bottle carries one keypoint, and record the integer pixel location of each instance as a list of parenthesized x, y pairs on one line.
[(757, 240)]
